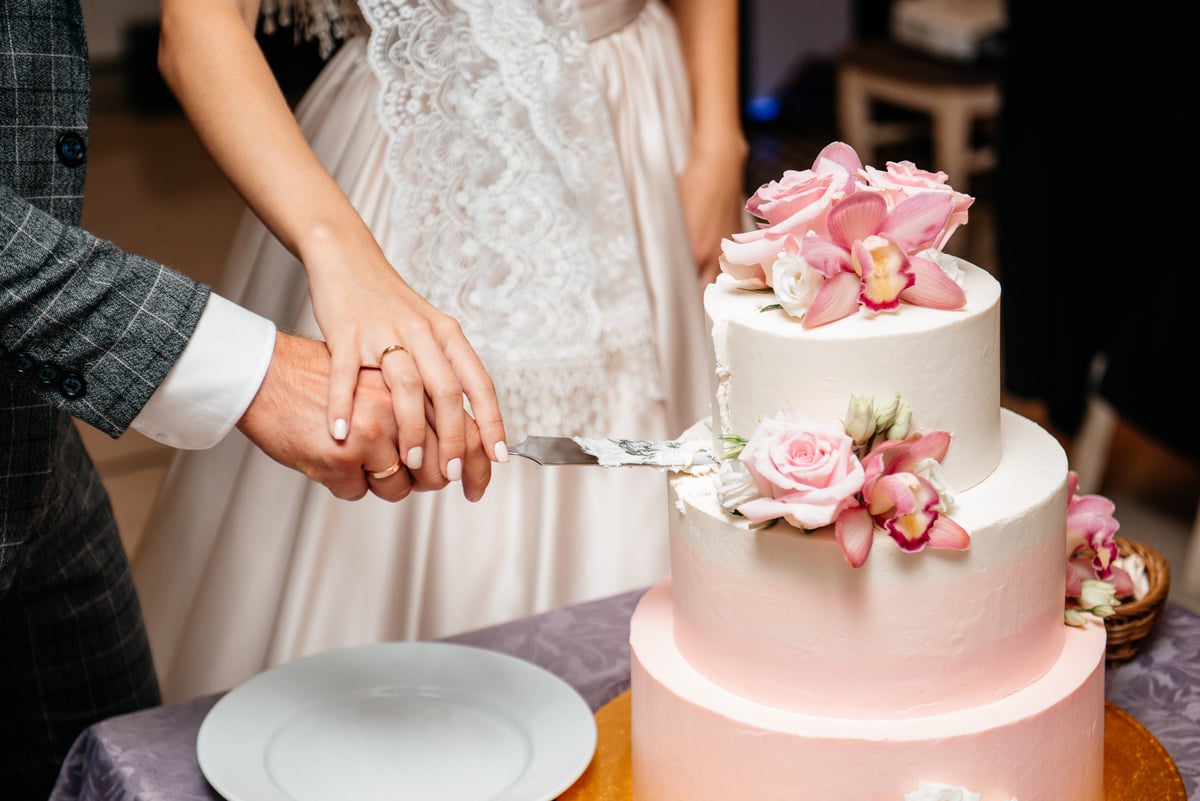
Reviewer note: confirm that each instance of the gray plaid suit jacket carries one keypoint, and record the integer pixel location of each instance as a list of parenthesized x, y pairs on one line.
[(86, 331)]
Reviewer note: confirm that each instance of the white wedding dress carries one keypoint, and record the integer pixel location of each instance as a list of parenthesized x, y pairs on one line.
[(246, 564)]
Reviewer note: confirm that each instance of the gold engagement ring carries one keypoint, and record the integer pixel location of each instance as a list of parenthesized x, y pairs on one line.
[(389, 349)]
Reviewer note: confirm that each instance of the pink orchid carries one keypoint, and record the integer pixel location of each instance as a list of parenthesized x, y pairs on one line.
[(870, 256), (900, 496), (1091, 543)]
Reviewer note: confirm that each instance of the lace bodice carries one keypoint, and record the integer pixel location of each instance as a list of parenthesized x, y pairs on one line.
[(510, 211)]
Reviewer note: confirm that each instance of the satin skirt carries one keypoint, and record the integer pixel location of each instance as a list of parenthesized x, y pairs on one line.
[(246, 564)]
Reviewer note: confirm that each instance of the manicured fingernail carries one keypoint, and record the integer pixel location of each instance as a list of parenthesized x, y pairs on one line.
[(454, 469), (415, 457), (340, 428), (501, 451)]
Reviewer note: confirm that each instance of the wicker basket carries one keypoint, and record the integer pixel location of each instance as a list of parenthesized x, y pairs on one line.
[(1132, 621)]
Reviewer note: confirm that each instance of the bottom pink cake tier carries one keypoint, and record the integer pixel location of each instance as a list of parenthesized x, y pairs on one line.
[(694, 741)]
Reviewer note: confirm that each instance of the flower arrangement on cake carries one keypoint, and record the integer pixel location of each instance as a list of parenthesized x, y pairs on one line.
[(878, 477), (840, 238), (1095, 579), (875, 475)]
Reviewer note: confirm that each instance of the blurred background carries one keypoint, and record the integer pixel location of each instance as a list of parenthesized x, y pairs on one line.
[(898, 79)]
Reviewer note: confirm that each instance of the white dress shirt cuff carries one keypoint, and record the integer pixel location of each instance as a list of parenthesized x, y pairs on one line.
[(212, 383)]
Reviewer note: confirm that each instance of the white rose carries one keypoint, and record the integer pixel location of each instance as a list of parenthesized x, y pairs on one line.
[(735, 486), (795, 282), (931, 471)]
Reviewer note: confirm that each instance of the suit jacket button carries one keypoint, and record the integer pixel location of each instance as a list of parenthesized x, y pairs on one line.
[(70, 148), (23, 362), (47, 374), (71, 386)]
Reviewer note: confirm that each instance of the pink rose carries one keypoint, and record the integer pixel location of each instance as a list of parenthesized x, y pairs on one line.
[(795, 205), (904, 179), (796, 192), (806, 473)]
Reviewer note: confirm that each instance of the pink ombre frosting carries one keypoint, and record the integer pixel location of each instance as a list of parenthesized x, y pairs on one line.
[(777, 616), (693, 740)]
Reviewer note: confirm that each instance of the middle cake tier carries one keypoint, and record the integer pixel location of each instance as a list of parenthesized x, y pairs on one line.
[(777, 615)]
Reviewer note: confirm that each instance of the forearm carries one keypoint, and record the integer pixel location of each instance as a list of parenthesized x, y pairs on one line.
[(210, 59), (708, 32), (105, 324)]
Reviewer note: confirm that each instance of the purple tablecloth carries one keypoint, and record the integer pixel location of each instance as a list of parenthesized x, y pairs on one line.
[(151, 755)]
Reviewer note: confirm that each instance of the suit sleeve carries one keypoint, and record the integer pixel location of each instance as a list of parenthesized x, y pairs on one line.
[(84, 325)]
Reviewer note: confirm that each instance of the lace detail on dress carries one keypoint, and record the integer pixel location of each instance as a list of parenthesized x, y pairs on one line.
[(510, 209), (327, 21)]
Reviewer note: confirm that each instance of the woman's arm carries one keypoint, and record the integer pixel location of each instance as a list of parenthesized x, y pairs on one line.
[(210, 59), (712, 183)]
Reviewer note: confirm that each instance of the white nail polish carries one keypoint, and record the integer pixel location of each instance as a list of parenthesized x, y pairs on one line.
[(501, 452), (340, 428), (454, 469), (415, 457)]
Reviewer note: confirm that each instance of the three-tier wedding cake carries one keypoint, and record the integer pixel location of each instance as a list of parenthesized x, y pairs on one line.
[(866, 599)]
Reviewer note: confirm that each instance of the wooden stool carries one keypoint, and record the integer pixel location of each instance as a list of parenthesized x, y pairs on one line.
[(955, 96)]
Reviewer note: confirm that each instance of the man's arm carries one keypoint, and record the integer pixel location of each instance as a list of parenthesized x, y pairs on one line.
[(93, 330), (85, 326)]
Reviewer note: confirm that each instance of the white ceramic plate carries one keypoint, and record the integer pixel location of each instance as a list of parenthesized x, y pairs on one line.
[(397, 721)]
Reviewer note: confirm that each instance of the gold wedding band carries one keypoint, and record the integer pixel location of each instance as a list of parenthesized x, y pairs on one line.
[(389, 349), (385, 473)]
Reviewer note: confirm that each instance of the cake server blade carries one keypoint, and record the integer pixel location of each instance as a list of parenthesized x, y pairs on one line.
[(675, 453)]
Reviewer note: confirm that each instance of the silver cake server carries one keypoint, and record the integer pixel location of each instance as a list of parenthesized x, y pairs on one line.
[(676, 453)]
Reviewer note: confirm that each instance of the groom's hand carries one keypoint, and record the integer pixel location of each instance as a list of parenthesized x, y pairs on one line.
[(287, 421)]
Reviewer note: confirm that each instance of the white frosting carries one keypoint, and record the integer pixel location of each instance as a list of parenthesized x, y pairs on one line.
[(944, 364)]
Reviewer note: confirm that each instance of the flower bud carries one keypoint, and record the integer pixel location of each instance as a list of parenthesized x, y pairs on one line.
[(886, 415), (899, 428), (860, 419), (1095, 594)]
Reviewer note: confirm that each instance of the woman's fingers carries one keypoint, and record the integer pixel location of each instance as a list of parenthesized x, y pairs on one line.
[(481, 394), (404, 380), (343, 377)]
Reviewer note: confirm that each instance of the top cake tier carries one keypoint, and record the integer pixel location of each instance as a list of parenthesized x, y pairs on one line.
[(944, 364)]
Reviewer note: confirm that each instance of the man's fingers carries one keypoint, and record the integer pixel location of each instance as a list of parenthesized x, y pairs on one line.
[(477, 467), (394, 486), (429, 476)]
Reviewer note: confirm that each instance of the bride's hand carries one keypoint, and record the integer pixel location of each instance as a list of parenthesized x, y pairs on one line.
[(371, 317), (712, 190)]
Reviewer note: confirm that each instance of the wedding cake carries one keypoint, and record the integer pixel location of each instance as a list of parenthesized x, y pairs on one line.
[(866, 599)]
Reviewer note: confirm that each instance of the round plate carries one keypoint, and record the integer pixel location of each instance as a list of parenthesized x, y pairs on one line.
[(427, 721), (1136, 766)]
